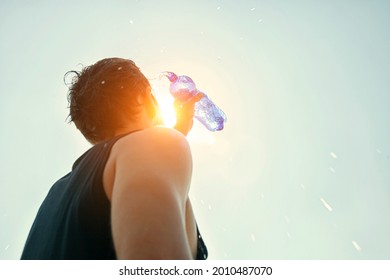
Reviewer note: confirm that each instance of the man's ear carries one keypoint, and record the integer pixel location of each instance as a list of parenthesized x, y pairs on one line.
[(140, 99)]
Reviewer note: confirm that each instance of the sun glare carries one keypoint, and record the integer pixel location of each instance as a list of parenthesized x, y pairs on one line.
[(165, 102), (199, 134), (167, 111)]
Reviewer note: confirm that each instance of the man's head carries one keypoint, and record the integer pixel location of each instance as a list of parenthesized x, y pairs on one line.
[(106, 96)]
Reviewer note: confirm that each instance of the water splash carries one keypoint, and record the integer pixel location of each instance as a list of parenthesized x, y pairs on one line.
[(356, 245), (327, 206)]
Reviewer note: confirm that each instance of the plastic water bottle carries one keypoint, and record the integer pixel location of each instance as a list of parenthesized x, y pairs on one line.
[(183, 88)]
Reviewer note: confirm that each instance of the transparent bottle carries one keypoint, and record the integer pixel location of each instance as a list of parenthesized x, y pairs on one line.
[(183, 88)]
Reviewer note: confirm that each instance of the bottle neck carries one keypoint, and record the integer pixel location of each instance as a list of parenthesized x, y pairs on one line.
[(171, 76)]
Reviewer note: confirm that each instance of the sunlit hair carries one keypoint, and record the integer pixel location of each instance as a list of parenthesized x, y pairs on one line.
[(103, 97)]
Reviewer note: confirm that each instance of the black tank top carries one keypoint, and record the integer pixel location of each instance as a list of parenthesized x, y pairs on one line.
[(73, 222)]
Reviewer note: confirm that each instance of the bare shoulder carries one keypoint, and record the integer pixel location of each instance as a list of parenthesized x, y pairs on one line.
[(160, 153), (154, 138)]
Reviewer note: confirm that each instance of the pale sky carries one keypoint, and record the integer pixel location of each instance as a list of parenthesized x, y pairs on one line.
[(301, 170)]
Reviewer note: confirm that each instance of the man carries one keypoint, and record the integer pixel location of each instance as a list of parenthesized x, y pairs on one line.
[(127, 196)]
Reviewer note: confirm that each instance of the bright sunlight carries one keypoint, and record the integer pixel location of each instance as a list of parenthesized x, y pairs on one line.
[(165, 101)]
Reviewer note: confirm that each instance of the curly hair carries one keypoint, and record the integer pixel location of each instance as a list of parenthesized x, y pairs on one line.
[(103, 97)]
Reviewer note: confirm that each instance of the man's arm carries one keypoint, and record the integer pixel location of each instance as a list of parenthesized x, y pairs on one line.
[(149, 196)]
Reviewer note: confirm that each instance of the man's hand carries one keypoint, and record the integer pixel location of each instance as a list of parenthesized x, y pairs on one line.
[(185, 113)]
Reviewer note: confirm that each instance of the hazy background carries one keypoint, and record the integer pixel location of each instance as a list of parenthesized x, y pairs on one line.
[(301, 170)]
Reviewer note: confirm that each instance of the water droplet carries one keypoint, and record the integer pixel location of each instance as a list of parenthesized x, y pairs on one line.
[(201, 201), (6, 248), (262, 195), (131, 21), (209, 207), (302, 186), (218, 8), (260, 20), (120, 68), (333, 155), (219, 58), (327, 206), (201, 33), (287, 219), (288, 235), (253, 9), (332, 170), (356, 245), (253, 237), (103, 82)]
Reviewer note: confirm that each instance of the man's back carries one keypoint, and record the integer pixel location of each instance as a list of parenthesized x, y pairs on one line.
[(73, 222)]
